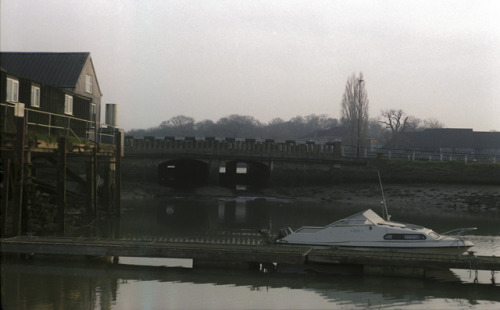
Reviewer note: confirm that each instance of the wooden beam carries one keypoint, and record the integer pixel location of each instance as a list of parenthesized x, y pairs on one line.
[(69, 173)]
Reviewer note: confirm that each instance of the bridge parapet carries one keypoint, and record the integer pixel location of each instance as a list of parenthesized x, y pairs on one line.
[(249, 148)]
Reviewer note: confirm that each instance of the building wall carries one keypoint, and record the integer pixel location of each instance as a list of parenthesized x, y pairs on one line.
[(88, 69), (52, 101)]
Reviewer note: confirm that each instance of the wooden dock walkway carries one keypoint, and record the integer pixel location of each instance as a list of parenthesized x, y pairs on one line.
[(136, 248), (375, 262)]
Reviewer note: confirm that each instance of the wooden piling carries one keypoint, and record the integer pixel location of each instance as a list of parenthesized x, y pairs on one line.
[(61, 183), (118, 177), (89, 189), (94, 179), (19, 176), (6, 190), (106, 192)]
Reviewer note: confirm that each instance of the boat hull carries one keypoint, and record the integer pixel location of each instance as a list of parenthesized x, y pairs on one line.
[(445, 250), (433, 250)]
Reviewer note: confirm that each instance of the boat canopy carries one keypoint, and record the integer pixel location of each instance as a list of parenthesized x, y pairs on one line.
[(368, 217)]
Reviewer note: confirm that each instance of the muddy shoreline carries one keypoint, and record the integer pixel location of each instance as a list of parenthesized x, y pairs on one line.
[(453, 197)]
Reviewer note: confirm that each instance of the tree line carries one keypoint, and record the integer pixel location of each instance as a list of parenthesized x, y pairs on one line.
[(239, 126), (355, 126)]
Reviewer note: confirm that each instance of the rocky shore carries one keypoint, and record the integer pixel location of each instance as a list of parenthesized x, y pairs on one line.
[(454, 197)]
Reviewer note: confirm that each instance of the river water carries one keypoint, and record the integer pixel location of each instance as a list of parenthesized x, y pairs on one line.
[(139, 283)]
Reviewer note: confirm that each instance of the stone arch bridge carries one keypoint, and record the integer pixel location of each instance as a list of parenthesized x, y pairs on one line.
[(227, 162)]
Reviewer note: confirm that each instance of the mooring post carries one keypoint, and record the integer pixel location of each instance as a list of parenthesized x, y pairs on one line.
[(61, 183)]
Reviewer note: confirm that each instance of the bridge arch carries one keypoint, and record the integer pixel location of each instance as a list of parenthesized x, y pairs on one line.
[(183, 173), (249, 173)]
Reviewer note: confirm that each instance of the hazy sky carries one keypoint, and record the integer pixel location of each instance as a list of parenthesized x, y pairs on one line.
[(212, 58)]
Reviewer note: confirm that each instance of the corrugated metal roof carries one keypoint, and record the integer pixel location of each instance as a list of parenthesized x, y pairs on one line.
[(56, 69)]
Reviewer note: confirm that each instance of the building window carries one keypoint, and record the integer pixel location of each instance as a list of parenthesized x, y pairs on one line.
[(68, 104), (88, 84), (35, 96), (12, 90)]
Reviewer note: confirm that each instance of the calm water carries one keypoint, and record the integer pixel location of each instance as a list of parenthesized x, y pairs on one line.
[(137, 283)]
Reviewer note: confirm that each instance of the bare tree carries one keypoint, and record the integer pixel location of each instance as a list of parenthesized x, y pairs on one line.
[(397, 122), (355, 110), (432, 123)]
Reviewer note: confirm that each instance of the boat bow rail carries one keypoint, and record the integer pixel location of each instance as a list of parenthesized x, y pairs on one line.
[(458, 231)]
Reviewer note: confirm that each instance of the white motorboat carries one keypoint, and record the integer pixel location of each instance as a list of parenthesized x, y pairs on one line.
[(368, 231)]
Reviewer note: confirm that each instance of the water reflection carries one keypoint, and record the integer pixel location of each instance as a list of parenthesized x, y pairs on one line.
[(191, 217), (92, 285), (59, 284), (46, 286)]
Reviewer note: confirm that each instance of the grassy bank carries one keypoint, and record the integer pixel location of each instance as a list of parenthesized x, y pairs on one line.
[(391, 171), (446, 172)]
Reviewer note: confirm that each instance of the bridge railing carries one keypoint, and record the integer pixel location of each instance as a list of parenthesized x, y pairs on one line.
[(252, 148), (213, 147)]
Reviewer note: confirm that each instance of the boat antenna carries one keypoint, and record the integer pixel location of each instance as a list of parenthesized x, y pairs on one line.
[(385, 214)]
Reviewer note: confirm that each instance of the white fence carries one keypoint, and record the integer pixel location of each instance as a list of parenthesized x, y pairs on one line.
[(350, 151)]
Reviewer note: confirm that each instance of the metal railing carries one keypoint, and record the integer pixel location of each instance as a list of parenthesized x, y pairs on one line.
[(421, 155), (52, 125)]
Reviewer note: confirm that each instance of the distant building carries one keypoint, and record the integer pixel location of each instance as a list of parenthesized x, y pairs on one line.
[(449, 140), (70, 72)]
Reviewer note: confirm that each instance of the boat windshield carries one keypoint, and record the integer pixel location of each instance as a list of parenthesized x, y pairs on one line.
[(367, 217), (434, 235)]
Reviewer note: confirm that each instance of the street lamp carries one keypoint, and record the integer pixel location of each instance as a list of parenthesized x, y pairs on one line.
[(359, 114)]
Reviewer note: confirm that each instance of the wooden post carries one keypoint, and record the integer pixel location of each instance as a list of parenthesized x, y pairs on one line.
[(7, 183), (89, 183), (27, 190), (19, 176), (108, 177), (118, 171), (95, 184), (61, 183)]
